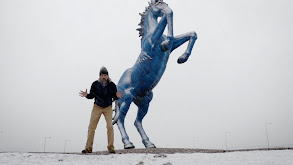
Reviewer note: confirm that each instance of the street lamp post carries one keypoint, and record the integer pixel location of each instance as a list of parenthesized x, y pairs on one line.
[(226, 140), (65, 144), (1, 133), (45, 143), (267, 134)]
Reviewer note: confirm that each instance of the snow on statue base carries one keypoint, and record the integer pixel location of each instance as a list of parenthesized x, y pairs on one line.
[(137, 82)]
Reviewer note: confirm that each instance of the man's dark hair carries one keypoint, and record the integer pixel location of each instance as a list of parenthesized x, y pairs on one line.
[(103, 70)]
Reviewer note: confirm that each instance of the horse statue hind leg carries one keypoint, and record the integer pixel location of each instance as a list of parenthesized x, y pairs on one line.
[(143, 106), (122, 106)]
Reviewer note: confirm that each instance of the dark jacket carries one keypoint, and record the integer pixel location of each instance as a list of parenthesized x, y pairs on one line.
[(103, 95)]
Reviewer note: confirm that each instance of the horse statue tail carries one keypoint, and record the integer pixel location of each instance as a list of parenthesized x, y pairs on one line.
[(117, 112)]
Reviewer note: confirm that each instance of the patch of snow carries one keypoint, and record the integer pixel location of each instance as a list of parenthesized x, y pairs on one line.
[(282, 157)]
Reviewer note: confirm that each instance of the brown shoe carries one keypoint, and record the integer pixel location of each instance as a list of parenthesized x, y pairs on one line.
[(87, 150), (111, 150)]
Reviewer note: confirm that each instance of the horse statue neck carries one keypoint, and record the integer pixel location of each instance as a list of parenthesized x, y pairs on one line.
[(150, 23)]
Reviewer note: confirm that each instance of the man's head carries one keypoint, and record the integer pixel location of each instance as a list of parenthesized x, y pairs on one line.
[(104, 76)]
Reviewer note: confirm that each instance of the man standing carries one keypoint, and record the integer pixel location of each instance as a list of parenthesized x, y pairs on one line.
[(104, 91)]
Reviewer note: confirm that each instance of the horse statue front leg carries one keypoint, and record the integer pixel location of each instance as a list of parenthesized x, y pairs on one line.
[(166, 20), (167, 44), (181, 39), (171, 42)]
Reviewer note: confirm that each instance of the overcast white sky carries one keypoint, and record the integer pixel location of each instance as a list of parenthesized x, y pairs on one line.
[(238, 78)]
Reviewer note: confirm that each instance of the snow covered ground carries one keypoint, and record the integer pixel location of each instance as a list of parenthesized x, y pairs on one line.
[(279, 157)]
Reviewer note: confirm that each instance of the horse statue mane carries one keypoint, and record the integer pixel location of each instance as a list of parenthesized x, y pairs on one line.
[(137, 82), (141, 24)]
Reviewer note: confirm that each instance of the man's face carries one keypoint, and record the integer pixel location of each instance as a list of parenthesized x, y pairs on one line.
[(104, 77)]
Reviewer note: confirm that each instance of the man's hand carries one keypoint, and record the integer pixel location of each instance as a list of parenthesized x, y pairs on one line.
[(119, 94), (82, 93)]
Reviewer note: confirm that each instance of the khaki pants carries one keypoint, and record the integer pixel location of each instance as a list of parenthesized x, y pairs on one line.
[(95, 117)]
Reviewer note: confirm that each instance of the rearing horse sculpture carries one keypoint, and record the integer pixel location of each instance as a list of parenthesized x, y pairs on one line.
[(137, 82)]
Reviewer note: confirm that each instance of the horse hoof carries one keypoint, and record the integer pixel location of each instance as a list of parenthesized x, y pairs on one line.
[(182, 58), (128, 146), (149, 144)]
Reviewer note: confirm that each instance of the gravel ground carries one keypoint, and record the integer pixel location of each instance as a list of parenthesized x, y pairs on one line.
[(178, 150)]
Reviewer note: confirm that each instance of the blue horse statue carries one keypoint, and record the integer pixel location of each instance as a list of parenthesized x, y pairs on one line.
[(137, 82)]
